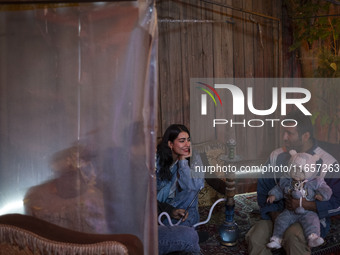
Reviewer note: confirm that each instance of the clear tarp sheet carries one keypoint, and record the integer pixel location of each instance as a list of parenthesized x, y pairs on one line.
[(77, 115)]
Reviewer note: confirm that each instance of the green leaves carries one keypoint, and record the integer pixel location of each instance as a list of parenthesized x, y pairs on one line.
[(317, 31), (313, 22)]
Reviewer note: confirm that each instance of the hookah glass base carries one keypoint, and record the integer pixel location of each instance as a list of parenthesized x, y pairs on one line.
[(229, 230)]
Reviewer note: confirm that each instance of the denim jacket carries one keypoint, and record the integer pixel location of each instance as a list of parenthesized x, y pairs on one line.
[(179, 192)]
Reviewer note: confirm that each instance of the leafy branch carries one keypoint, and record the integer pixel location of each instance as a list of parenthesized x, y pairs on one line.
[(316, 26)]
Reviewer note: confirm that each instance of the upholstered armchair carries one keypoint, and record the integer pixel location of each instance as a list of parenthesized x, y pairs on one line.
[(27, 235)]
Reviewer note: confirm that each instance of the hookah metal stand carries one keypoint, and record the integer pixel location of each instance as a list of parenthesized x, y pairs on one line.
[(229, 230)]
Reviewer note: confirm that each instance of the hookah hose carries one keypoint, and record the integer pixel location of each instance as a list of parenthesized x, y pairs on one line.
[(210, 212), (192, 201), (185, 212), (300, 188)]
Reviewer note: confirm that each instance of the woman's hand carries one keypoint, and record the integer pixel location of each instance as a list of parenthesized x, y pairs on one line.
[(185, 156), (179, 213)]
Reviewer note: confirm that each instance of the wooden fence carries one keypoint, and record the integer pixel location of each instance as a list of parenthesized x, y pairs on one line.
[(220, 39)]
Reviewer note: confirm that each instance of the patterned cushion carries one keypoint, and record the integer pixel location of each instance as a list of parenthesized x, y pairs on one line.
[(210, 154)]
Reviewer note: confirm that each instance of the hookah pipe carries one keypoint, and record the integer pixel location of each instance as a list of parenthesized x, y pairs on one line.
[(229, 230)]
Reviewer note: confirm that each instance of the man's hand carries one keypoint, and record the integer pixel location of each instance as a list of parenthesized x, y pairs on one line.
[(179, 213), (292, 204), (273, 216)]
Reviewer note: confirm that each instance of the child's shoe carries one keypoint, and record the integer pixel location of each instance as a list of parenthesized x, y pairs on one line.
[(275, 243), (314, 240)]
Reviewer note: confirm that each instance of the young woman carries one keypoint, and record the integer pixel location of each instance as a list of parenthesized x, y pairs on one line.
[(177, 185)]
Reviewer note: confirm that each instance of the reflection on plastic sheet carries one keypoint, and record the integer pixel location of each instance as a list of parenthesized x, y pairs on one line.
[(73, 77)]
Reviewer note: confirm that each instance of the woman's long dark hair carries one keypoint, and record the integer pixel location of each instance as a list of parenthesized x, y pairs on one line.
[(164, 153)]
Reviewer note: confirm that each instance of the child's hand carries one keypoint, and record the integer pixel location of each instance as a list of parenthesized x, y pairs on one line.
[(318, 197), (271, 199)]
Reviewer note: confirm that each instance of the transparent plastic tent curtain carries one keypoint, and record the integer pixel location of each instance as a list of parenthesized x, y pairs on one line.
[(77, 115)]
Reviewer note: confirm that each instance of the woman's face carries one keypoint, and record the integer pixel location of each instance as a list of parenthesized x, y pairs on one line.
[(181, 145)]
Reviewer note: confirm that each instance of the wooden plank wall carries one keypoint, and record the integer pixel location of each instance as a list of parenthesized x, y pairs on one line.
[(198, 39)]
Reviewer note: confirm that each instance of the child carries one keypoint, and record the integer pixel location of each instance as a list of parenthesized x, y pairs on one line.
[(302, 183)]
